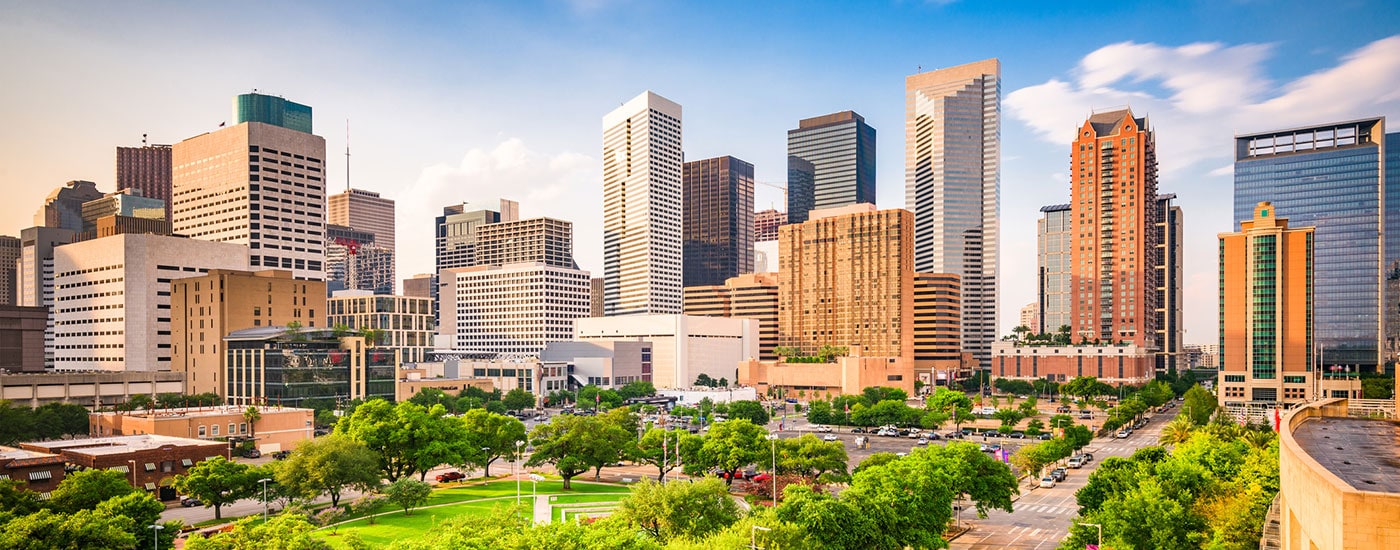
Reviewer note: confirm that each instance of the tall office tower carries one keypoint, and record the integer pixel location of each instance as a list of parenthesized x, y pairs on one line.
[(841, 150), (801, 189), (751, 296), (937, 330), (356, 261), (9, 270), (595, 297), (256, 184), (643, 205), (63, 208), (34, 280), (548, 241), (112, 301), (365, 211), (766, 224), (145, 169), (1267, 315), (1171, 333), (272, 110), (419, 286), (205, 308), (1114, 207), (456, 232), (1340, 179), (847, 278), (952, 181), (1030, 317), (718, 220), (127, 202), (1054, 236)]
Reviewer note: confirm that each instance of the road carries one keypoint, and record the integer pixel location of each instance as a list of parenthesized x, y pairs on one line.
[(1041, 517)]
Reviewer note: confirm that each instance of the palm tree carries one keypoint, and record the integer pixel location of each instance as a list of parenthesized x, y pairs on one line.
[(1176, 432), (251, 415), (1258, 439)]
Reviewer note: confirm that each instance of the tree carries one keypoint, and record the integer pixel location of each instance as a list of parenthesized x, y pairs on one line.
[(908, 502), (327, 466), (810, 457), (251, 415), (985, 480), (1021, 331), (876, 394), (639, 388), (143, 510), (1008, 417), (1177, 431), (819, 412), (1199, 405), (407, 494), (678, 510), (85, 489), (17, 500), (660, 448), (497, 433), (730, 446), (428, 397), (1035, 427), (565, 443), (609, 439), (518, 399), (216, 482), (1033, 458), (704, 380), (752, 410), (886, 412), (933, 420), (46, 530), (56, 420), (284, 531), (407, 438)]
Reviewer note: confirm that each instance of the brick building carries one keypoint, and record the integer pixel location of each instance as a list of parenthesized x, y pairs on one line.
[(276, 428), (37, 471), (149, 461)]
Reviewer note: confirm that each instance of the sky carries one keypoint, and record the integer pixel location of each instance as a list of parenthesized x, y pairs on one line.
[(450, 102)]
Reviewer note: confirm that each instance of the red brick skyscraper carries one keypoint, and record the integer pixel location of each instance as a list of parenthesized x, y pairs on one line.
[(146, 168)]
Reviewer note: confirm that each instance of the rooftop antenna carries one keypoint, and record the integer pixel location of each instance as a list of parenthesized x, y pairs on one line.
[(347, 155), (143, 140)]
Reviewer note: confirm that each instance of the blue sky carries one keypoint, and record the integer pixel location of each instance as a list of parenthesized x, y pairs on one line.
[(453, 102)]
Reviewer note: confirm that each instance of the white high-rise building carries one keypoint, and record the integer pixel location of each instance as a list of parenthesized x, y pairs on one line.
[(512, 308), (642, 207), (111, 304), (259, 185), (952, 182)]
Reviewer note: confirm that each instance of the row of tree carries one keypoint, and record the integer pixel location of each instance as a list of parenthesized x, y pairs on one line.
[(51, 421), (88, 509)]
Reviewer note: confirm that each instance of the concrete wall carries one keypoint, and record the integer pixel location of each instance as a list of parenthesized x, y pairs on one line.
[(87, 389)]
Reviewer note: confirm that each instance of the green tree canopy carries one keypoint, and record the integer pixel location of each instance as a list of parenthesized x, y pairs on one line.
[(810, 457), (876, 394), (752, 410), (567, 443), (217, 481), (85, 489), (283, 532), (497, 433), (408, 494), (678, 510), (639, 388), (47, 530), (327, 466), (518, 399), (729, 446), (1199, 405), (660, 448)]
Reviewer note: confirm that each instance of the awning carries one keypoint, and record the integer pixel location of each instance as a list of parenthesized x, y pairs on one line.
[(150, 466), (4, 476), (150, 486), (122, 469), (212, 457), (186, 462), (40, 474)]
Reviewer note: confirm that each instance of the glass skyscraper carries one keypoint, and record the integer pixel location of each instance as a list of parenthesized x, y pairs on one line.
[(1333, 177), (718, 220), (271, 110), (841, 150)]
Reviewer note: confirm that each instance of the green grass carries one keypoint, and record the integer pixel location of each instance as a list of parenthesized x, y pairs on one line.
[(564, 514), (393, 527)]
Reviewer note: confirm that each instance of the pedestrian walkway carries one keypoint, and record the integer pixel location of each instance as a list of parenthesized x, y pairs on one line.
[(543, 511)]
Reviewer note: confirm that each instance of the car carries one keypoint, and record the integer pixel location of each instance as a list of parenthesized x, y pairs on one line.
[(830, 437), (1061, 409), (955, 434), (988, 411), (318, 432), (902, 432), (1086, 415), (822, 429), (252, 453), (761, 478), (1076, 462), (923, 441), (189, 502), (932, 435), (1047, 482), (1059, 474), (1087, 457), (1123, 434), (281, 455), (984, 448), (1044, 436), (914, 435), (1017, 435), (967, 432), (748, 474), (858, 430), (901, 455), (450, 476)]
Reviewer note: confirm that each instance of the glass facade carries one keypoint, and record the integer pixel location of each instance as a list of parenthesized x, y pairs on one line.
[(718, 220), (841, 148), (285, 372), (272, 110), (1054, 236), (1329, 177)]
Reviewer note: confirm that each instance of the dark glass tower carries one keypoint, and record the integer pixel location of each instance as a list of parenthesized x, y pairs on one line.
[(1333, 177), (841, 149), (718, 220), (271, 110)]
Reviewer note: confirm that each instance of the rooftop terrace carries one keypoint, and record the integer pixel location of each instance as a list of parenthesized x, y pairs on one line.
[(1364, 453)]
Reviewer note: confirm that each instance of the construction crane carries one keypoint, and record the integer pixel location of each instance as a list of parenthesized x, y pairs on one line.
[(781, 187)]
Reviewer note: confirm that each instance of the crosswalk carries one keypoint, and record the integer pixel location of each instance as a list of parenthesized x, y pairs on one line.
[(1046, 509)]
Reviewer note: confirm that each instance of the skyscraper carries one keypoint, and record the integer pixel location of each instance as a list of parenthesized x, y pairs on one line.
[(1171, 332), (751, 296), (766, 224), (548, 241), (146, 169), (718, 220), (952, 181), (35, 274), (1115, 242), (256, 184), (1054, 233), (840, 148), (365, 211), (643, 205), (456, 232), (63, 208), (1336, 178), (272, 110), (9, 270), (1267, 315)]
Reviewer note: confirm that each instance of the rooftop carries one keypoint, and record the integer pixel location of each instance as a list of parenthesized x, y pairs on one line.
[(11, 453), (220, 410), (1362, 452), (120, 444)]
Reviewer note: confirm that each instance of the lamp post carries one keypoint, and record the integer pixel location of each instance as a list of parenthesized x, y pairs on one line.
[(773, 439), (486, 461), (535, 480), (1096, 547), (518, 444), (133, 472), (264, 481), (155, 534), (753, 536)]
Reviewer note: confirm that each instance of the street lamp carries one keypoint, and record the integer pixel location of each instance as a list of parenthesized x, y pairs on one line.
[(264, 481), (753, 538), (774, 440), (518, 444), (1096, 547), (486, 461), (155, 534), (535, 480)]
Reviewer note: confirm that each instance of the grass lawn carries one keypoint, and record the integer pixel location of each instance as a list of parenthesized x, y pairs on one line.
[(564, 514), (387, 529)]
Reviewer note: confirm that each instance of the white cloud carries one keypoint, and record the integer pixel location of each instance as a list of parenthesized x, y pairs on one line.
[(562, 185)]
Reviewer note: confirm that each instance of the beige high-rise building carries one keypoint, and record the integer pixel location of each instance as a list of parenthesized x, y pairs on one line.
[(546, 240), (1030, 317), (364, 211), (207, 308), (848, 279), (419, 286), (750, 296), (258, 185), (404, 323), (952, 182)]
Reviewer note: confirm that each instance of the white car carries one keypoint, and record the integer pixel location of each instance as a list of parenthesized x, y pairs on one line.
[(821, 429), (1047, 482), (830, 437), (922, 442), (1123, 434), (915, 435)]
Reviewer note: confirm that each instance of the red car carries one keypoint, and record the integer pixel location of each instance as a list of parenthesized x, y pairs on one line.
[(763, 477), (450, 476)]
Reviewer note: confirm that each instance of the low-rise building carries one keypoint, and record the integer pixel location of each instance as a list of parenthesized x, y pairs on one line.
[(606, 364), (846, 375), (90, 389), (413, 379), (1112, 364), (273, 428), (149, 461), (281, 366), (404, 323), (35, 470), (683, 346)]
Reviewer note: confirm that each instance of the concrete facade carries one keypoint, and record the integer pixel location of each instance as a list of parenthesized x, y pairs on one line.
[(112, 297), (1116, 365), (683, 346), (89, 389), (207, 308), (766, 224), (365, 211), (847, 375), (514, 308), (34, 277), (405, 323), (22, 338), (276, 429), (606, 364), (752, 296)]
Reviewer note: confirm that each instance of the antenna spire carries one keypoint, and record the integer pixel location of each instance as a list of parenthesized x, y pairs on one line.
[(347, 155)]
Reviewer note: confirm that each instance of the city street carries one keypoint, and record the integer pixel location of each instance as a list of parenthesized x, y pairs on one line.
[(1042, 516)]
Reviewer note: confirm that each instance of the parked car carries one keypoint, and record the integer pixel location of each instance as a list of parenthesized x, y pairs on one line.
[(822, 429), (450, 476), (762, 478), (189, 502), (1044, 436), (966, 432), (281, 455), (1088, 457), (1059, 474), (914, 435), (252, 453), (1076, 462), (932, 435), (1123, 434), (858, 430), (830, 437), (923, 441), (1062, 409), (955, 434), (1047, 482), (1018, 435)]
